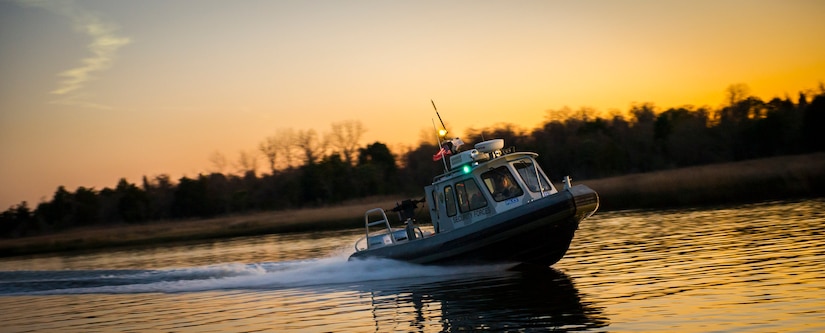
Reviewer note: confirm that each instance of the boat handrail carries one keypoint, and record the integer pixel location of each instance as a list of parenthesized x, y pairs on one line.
[(384, 221)]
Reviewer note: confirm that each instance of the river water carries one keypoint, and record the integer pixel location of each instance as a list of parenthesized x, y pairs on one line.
[(751, 268)]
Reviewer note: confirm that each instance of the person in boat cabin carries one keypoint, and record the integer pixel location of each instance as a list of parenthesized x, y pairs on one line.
[(505, 187), (477, 200)]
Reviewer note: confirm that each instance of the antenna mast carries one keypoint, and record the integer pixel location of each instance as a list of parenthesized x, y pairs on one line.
[(439, 118), (438, 140), (439, 135)]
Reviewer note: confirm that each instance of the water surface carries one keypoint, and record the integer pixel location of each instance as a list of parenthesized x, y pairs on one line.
[(747, 268)]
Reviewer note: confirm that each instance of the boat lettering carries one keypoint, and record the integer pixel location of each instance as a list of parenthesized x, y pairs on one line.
[(483, 212)]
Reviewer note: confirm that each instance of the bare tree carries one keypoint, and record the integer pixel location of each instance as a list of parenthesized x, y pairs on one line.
[(287, 147), (310, 145), (559, 115), (344, 138), (736, 93), (218, 161), (247, 162), (269, 147), (280, 149), (586, 114)]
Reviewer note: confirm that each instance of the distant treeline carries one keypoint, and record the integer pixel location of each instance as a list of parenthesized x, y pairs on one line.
[(306, 170)]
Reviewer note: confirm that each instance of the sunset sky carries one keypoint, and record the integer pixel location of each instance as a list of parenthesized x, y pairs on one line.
[(92, 91)]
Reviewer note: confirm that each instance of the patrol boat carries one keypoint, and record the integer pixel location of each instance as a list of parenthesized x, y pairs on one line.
[(493, 205)]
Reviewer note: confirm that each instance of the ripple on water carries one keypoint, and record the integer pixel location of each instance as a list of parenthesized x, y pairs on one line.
[(746, 268), (755, 267)]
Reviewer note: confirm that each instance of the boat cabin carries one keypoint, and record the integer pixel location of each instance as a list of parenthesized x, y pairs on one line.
[(483, 182)]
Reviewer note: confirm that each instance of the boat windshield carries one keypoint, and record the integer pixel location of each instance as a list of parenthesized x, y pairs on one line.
[(531, 175), (501, 184)]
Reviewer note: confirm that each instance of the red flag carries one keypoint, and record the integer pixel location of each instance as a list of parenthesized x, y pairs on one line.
[(441, 153)]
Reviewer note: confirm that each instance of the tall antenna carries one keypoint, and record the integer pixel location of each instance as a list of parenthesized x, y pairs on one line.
[(438, 146), (439, 118)]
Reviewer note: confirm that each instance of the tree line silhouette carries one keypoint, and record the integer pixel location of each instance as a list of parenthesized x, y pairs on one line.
[(309, 170)]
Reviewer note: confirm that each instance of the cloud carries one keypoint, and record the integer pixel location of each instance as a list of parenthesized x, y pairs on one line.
[(104, 47)]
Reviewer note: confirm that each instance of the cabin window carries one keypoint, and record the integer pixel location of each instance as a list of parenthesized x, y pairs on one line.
[(469, 196), (501, 184), (449, 200), (532, 176)]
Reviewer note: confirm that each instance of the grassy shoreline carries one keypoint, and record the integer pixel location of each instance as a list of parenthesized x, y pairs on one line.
[(346, 216), (774, 178)]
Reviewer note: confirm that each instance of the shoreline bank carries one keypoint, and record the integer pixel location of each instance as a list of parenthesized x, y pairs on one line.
[(767, 179), (777, 178)]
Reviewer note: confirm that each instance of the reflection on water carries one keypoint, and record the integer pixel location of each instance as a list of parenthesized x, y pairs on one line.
[(747, 268), (516, 301)]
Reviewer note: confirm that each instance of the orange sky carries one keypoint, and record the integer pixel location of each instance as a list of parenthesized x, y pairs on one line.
[(93, 91)]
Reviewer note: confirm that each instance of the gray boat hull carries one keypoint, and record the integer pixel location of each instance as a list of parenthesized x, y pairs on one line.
[(537, 233)]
